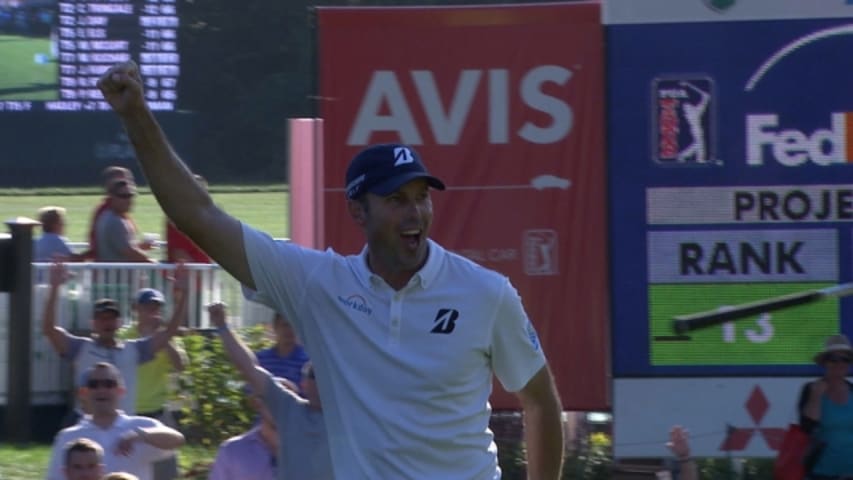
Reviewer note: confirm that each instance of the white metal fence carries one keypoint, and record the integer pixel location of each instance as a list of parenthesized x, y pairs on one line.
[(120, 281)]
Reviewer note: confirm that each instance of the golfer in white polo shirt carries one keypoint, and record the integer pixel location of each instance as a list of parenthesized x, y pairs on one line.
[(405, 336)]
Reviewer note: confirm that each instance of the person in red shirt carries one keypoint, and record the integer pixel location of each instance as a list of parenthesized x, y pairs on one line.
[(108, 175)]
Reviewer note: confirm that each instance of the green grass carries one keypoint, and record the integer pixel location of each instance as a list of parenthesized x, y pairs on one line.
[(263, 207), (21, 78), (30, 462)]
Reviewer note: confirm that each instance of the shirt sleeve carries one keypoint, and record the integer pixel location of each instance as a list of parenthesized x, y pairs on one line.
[(516, 353), (279, 400), (75, 344), (257, 297), (54, 470), (279, 270)]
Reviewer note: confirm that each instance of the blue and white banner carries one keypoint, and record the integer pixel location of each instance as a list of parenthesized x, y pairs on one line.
[(730, 145)]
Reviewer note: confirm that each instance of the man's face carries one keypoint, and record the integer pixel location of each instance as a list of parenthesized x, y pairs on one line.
[(150, 313), (103, 391), (284, 333), (397, 226), (105, 324), (84, 466), (121, 198)]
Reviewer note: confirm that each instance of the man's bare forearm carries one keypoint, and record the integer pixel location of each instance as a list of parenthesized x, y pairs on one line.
[(543, 434), (172, 183), (183, 199)]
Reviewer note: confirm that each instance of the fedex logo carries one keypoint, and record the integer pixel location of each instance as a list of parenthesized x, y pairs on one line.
[(385, 108), (766, 140)]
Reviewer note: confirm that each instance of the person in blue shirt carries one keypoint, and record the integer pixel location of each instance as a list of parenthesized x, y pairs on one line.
[(52, 245), (826, 412), (286, 358)]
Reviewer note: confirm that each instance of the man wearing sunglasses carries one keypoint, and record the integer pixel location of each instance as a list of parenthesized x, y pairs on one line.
[(103, 344), (131, 443), (826, 413), (115, 232)]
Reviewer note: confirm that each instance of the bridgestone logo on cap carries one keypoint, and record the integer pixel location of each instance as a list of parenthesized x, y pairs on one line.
[(403, 155)]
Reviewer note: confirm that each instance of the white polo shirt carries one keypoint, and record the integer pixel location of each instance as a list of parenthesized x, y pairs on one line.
[(139, 462), (404, 376)]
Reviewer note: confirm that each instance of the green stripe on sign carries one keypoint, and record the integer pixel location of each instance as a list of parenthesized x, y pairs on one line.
[(785, 337)]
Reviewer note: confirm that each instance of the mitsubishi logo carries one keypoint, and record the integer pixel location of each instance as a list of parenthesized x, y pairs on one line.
[(738, 438)]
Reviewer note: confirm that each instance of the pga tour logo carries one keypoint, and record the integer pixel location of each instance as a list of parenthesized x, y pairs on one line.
[(684, 123)]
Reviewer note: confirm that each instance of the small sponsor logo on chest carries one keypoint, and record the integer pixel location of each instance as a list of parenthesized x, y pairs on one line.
[(357, 303)]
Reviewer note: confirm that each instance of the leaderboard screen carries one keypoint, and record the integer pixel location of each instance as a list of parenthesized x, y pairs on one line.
[(730, 172), (53, 52)]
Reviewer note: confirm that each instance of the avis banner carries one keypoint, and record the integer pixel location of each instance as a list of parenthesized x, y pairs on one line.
[(505, 104)]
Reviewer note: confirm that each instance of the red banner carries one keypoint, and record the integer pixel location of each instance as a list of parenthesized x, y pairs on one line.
[(505, 104)]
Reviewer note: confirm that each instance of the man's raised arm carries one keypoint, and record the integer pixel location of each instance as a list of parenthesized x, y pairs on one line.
[(185, 202)]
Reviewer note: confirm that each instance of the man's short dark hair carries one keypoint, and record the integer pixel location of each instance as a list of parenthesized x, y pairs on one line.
[(82, 445), (104, 366)]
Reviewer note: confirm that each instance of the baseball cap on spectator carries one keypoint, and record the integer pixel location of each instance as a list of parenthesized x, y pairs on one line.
[(383, 169), (150, 295), (107, 305)]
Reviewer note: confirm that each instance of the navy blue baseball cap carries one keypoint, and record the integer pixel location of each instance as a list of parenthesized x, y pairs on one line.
[(149, 295), (383, 169)]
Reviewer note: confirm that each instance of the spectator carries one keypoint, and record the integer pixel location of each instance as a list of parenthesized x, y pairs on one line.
[(115, 232), (84, 460), (179, 247), (108, 176), (52, 245), (287, 357), (87, 351), (303, 448), (153, 378), (253, 454), (131, 443), (679, 445), (826, 412)]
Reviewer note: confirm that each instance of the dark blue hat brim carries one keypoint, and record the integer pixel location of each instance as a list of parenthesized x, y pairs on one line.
[(394, 183)]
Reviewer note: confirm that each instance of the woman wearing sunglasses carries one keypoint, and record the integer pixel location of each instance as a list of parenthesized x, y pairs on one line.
[(826, 413)]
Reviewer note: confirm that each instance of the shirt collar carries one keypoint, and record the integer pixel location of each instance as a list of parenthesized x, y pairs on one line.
[(424, 276)]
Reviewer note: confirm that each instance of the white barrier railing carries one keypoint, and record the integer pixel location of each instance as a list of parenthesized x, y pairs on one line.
[(120, 281)]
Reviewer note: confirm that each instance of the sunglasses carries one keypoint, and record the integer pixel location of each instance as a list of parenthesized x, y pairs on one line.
[(838, 358), (103, 382), (124, 196)]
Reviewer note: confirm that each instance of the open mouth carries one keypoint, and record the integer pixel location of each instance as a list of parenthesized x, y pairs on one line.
[(411, 238)]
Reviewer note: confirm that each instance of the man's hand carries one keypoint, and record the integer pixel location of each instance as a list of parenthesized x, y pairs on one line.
[(58, 274), (124, 446), (121, 86), (217, 314), (180, 278)]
